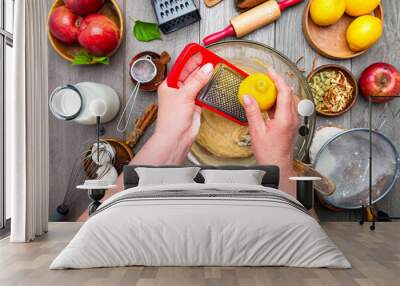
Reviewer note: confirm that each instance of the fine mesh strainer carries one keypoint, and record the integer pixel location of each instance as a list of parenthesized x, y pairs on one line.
[(345, 160), (143, 70)]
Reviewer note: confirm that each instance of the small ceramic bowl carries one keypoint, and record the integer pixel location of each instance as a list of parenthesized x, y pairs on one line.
[(68, 52), (350, 78)]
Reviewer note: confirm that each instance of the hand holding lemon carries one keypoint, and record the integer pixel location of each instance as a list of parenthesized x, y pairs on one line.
[(261, 87), (272, 140)]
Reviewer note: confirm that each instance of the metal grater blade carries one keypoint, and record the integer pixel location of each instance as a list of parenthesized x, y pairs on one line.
[(221, 93)]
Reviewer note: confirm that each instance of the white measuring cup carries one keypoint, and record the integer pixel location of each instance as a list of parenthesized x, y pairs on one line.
[(143, 70)]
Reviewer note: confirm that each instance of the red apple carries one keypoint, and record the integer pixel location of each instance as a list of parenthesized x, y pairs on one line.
[(380, 79), (98, 34), (84, 7), (64, 25)]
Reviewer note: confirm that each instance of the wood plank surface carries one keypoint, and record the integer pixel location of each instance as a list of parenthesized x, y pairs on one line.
[(375, 259), (172, 43), (386, 50), (66, 139)]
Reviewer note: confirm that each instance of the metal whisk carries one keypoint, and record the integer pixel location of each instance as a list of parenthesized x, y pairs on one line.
[(85, 168)]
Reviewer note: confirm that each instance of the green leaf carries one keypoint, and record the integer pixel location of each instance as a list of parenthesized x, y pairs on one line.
[(146, 32), (84, 58), (101, 60)]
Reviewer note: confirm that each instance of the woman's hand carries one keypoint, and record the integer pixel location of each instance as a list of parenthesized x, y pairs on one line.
[(178, 119), (273, 140)]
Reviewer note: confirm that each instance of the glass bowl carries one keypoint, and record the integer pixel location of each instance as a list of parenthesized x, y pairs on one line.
[(256, 57)]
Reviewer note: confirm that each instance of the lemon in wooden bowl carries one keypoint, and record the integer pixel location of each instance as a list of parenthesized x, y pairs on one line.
[(361, 7), (327, 12), (363, 32)]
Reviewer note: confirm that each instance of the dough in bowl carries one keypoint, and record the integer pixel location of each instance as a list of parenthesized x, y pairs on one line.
[(222, 137)]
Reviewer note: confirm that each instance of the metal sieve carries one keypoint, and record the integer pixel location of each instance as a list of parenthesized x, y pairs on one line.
[(143, 70), (345, 160)]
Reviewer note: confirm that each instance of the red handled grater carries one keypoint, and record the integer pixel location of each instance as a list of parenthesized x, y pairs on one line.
[(220, 94)]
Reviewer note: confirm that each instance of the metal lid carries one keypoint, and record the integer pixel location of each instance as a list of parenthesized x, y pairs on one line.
[(66, 102)]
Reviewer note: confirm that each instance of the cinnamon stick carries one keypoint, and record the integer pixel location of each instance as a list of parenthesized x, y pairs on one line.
[(148, 117)]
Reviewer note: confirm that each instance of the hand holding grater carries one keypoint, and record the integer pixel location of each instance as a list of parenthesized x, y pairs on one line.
[(220, 95), (173, 15)]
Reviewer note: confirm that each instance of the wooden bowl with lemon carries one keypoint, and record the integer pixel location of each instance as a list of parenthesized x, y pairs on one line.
[(336, 30)]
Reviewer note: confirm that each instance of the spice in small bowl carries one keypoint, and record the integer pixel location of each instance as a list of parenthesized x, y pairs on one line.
[(334, 89)]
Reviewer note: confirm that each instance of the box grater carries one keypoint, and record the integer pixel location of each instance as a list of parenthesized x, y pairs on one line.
[(173, 15), (220, 95)]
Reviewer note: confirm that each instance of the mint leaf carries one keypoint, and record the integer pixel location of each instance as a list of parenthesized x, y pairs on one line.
[(101, 60), (146, 32), (84, 58)]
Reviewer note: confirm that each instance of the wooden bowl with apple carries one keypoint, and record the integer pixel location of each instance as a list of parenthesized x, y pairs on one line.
[(70, 23)]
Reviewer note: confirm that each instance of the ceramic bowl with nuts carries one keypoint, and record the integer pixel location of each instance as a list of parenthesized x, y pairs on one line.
[(334, 89)]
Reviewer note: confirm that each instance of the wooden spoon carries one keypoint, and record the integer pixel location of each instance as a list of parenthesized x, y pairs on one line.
[(325, 186)]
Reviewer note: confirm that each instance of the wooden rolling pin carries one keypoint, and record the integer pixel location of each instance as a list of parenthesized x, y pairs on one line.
[(251, 20)]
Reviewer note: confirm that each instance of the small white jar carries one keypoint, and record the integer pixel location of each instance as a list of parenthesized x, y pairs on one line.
[(75, 102)]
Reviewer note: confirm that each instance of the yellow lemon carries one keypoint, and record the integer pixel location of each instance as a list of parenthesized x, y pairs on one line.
[(363, 32), (261, 87), (361, 7), (327, 12)]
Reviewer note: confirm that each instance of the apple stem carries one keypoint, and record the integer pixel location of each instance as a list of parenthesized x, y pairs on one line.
[(383, 80)]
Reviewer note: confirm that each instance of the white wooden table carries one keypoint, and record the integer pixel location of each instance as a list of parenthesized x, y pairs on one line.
[(285, 35)]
